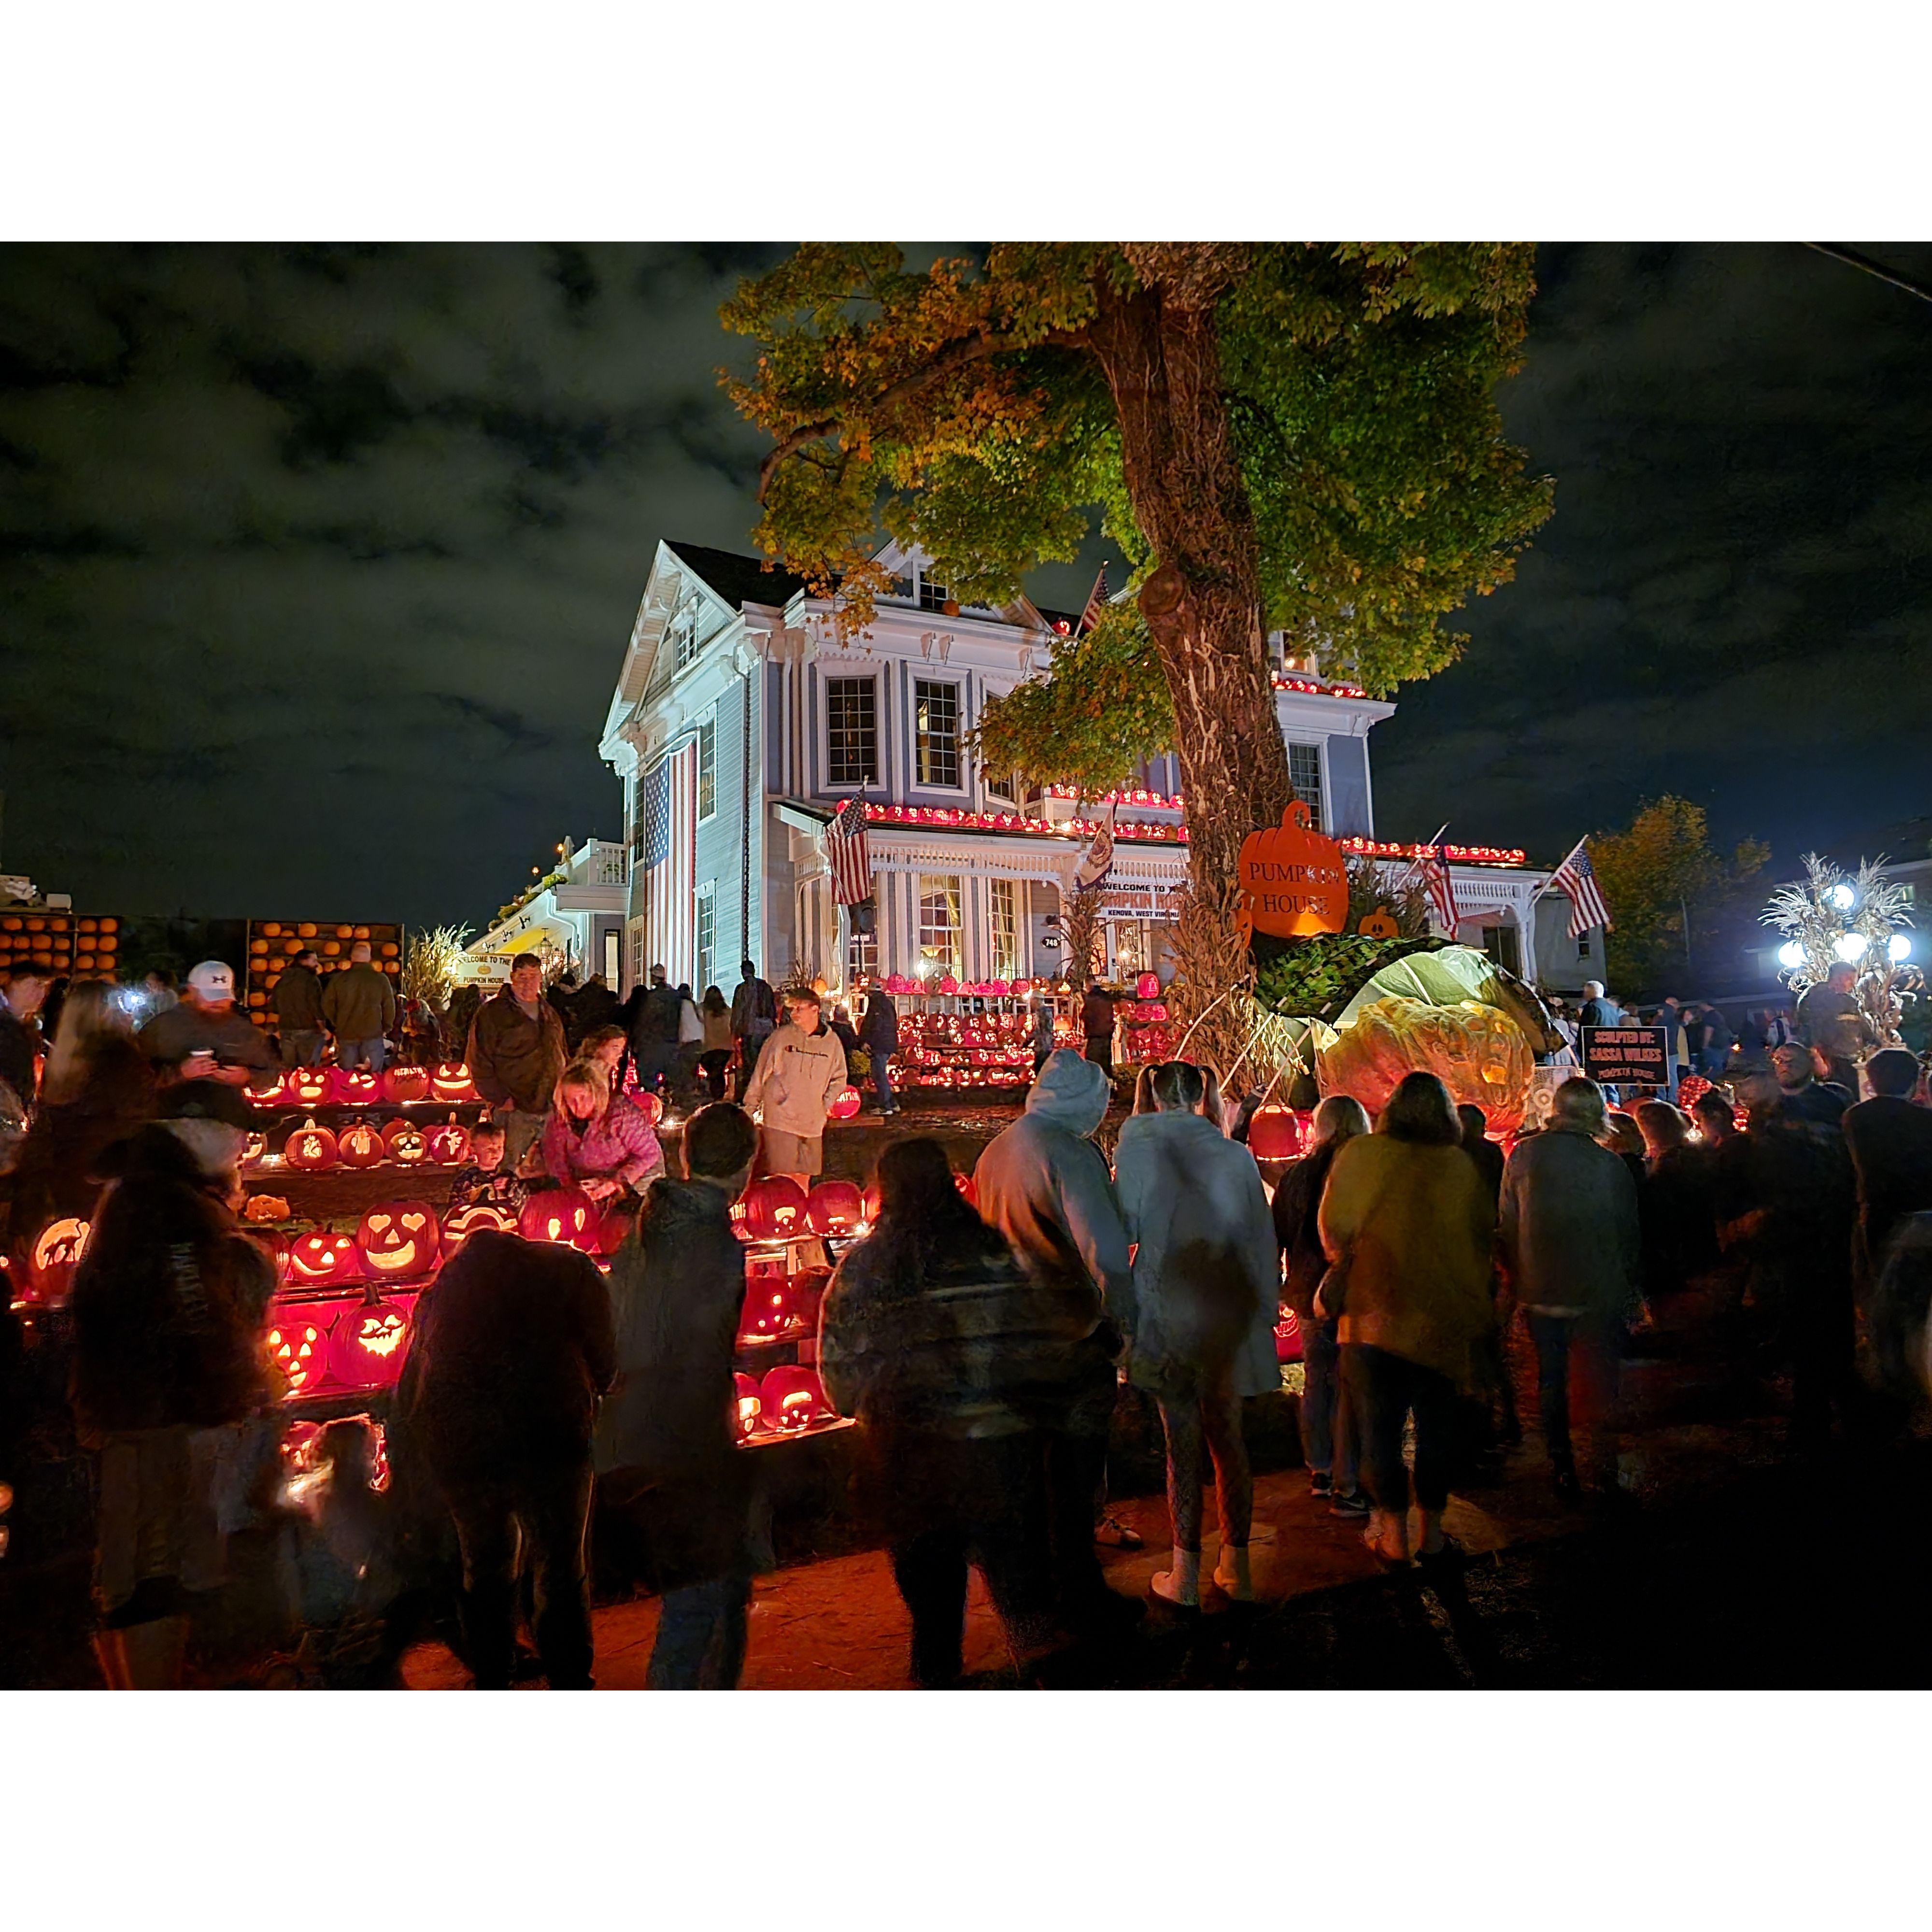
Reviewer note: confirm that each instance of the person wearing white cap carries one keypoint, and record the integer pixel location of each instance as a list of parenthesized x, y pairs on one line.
[(206, 1037)]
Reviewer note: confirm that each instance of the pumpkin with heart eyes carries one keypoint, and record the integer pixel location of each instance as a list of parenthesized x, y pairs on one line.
[(398, 1239)]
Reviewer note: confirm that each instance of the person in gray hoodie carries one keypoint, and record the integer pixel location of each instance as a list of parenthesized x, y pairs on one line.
[(1045, 1186)]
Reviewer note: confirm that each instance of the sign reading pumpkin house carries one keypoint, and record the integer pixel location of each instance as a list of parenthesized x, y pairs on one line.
[(1293, 881)]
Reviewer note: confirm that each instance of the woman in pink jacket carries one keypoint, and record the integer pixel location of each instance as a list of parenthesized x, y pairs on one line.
[(595, 1140)]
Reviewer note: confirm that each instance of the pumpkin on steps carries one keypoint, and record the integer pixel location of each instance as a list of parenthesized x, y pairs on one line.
[(1480, 1053)]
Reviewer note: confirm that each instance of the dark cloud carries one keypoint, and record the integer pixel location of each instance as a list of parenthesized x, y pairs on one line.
[(317, 562)]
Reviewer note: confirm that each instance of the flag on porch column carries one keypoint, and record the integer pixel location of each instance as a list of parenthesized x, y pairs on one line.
[(1577, 877), (1096, 602), (849, 857), (1440, 889)]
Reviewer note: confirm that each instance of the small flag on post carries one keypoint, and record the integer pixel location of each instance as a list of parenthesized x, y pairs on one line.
[(1097, 602), (1441, 891), (1577, 877), (847, 854)]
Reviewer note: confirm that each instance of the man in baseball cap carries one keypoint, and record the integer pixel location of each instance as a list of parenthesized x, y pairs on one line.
[(206, 1037)]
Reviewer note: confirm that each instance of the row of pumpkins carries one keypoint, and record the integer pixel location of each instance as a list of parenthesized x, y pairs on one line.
[(356, 1086), (68, 944), (1147, 986)]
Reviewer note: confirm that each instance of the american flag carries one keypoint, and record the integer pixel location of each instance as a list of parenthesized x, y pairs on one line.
[(847, 853), (1577, 877), (1441, 891), (670, 801), (1096, 603)]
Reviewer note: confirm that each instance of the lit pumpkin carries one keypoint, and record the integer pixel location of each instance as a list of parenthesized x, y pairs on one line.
[(369, 1343), (360, 1145), (562, 1214), (403, 1084), (255, 1151), (648, 1105), (356, 1086), (267, 1090), (309, 1086), (310, 1148), (948, 984), (834, 1207), (1292, 880), (461, 1223), (398, 1240), (1147, 986), (793, 1400), (321, 1258), (451, 1081), (769, 1312), (1288, 1335), (1275, 1133), (1021, 987), (774, 1207), (1481, 1054), (749, 1404), (407, 1143), (51, 1261), (968, 1189), (1378, 925), (299, 1348), (449, 1145), (846, 1105)]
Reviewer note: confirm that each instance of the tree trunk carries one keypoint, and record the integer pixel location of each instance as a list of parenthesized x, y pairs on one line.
[(1160, 353)]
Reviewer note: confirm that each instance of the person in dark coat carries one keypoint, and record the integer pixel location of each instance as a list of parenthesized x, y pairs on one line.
[(653, 1014), (167, 1307), (666, 1444), (516, 1052), (22, 997), (1804, 1095), (879, 1035), (1096, 1024), (296, 1003), (595, 1006), (755, 1018), (514, 1348), (1478, 1146), (1676, 1203), (1890, 1139)]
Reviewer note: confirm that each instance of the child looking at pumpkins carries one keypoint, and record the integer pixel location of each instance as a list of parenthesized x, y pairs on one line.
[(486, 1178)]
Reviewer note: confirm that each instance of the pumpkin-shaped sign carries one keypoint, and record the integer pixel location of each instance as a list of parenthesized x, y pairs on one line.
[(1378, 924), (562, 1214), (360, 1145), (1292, 880), (1481, 1055), (407, 1143), (310, 1148), (774, 1207), (368, 1348), (449, 1145), (297, 1347), (403, 1084), (451, 1081), (356, 1086), (834, 1207), (398, 1240), (1275, 1134), (846, 1105), (309, 1086), (461, 1223), (322, 1259)]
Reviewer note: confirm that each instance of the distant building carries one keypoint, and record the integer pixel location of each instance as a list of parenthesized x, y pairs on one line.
[(741, 724), (576, 922)]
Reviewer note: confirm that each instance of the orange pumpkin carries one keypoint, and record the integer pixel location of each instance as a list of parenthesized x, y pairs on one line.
[(310, 1148), (403, 1084), (1378, 925), (1481, 1054), (449, 1145), (1292, 880), (360, 1145), (398, 1239)]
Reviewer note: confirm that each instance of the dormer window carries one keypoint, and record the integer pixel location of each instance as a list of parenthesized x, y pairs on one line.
[(932, 596)]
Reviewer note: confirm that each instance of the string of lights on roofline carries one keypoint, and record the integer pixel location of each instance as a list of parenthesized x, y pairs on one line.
[(1156, 831)]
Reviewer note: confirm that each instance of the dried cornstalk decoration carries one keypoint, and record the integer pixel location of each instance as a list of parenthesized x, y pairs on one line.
[(1373, 888), (1210, 999), (430, 964), (1080, 930), (799, 977)]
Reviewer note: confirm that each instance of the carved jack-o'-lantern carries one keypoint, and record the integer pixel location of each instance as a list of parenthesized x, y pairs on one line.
[(1288, 1335), (1275, 1133), (356, 1086), (451, 1081), (1147, 986), (360, 1145), (310, 1148), (320, 1258), (774, 1209), (407, 1143), (562, 1214), (948, 984), (51, 1260), (968, 1189), (648, 1105), (398, 1239), (309, 1086), (255, 1151), (268, 1090), (405, 1083), (769, 1311), (748, 1404), (461, 1223), (794, 1398), (299, 1348), (834, 1207), (368, 1348), (846, 1105), (449, 1145), (1292, 880)]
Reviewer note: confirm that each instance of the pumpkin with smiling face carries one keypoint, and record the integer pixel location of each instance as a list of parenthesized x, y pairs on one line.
[(367, 1347), (298, 1346), (398, 1239), (407, 1143), (309, 1086), (451, 1081), (360, 1144), (269, 1090), (321, 1259), (403, 1084)]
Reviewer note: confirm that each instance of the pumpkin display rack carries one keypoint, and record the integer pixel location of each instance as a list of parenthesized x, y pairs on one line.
[(275, 944), (312, 1118), (84, 947), (972, 1033)]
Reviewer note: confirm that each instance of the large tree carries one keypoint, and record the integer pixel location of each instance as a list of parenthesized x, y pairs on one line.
[(1299, 436)]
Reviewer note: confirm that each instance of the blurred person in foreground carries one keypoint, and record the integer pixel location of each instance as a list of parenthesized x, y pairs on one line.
[(1890, 1139)]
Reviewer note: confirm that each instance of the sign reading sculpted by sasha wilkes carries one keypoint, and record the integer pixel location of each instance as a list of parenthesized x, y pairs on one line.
[(1293, 880)]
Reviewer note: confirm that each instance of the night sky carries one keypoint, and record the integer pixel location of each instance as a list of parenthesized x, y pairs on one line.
[(317, 565)]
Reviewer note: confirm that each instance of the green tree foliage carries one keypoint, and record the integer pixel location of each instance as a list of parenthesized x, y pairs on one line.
[(1656, 873)]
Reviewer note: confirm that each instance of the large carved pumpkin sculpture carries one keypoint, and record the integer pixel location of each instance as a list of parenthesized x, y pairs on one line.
[(1481, 1054)]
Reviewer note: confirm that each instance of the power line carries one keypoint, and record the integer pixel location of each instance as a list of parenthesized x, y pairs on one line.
[(1852, 259)]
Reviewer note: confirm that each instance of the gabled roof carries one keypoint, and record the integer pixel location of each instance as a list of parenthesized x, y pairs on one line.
[(738, 579)]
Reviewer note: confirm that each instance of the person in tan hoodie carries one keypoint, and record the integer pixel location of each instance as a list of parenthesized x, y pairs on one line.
[(800, 1073), (1408, 1225)]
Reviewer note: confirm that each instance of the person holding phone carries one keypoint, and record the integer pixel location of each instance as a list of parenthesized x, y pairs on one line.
[(207, 1036)]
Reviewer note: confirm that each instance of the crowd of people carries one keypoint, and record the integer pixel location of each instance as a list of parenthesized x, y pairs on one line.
[(982, 1345)]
